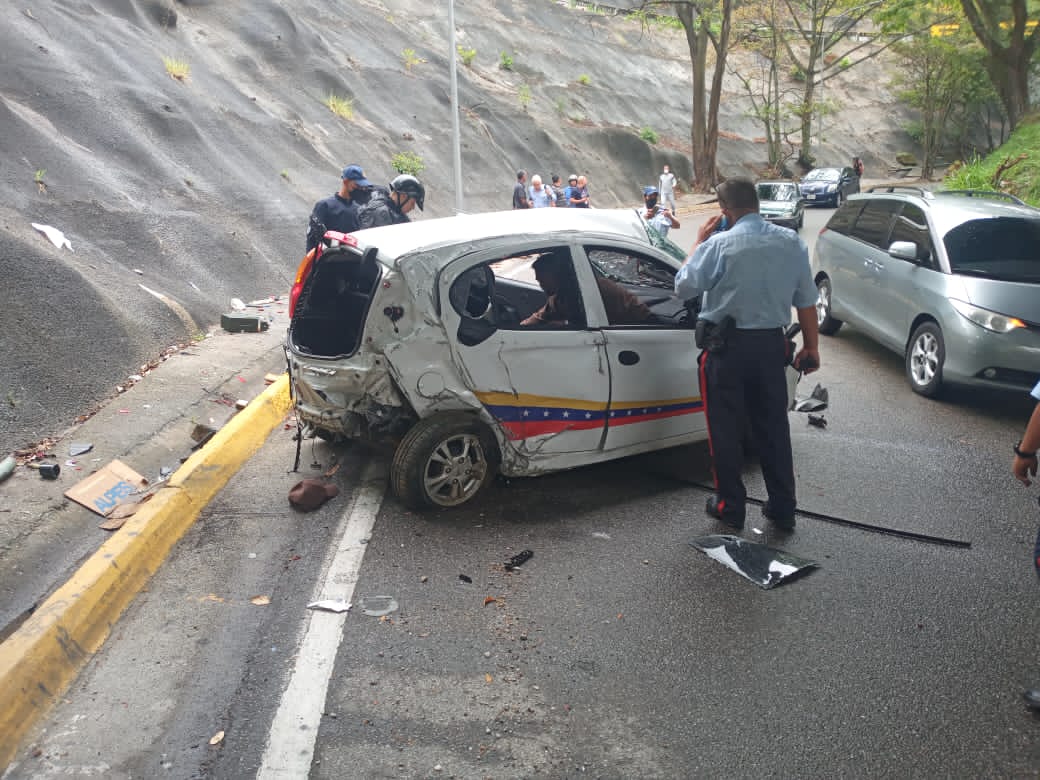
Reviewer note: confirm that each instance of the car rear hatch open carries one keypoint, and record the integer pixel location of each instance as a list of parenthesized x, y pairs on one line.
[(329, 319)]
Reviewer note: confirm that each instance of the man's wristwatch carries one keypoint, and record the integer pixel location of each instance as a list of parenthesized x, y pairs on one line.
[(1021, 454)]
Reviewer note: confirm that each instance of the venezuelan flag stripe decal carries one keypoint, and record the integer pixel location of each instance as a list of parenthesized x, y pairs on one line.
[(524, 416)]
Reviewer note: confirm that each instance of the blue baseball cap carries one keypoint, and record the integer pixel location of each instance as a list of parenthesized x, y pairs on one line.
[(354, 173), (651, 190)]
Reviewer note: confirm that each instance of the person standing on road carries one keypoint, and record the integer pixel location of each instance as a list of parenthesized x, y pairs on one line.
[(580, 194), (1023, 467), (658, 217), (391, 207), (340, 210), (558, 191), (749, 277), (666, 185), (520, 199), (539, 196), (572, 187)]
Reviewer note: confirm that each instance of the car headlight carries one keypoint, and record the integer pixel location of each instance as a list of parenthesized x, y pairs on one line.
[(984, 318)]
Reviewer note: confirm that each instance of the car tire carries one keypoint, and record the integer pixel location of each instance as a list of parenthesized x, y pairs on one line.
[(925, 356), (443, 461), (838, 199), (828, 324), (801, 221)]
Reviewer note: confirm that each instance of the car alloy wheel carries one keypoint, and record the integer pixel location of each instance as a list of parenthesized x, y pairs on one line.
[(838, 200), (828, 325), (924, 359), (443, 461)]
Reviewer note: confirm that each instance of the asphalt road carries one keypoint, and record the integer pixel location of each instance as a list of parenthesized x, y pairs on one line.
[(617, 650)]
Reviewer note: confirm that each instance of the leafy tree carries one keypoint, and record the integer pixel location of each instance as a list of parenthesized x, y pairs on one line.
[(1002, 27), (770, 98), (707, 25)]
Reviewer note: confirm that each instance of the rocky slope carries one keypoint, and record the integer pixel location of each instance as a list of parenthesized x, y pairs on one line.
[(199, 189)]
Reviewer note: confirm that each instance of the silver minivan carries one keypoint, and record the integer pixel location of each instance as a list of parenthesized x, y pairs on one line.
[(949, 280)]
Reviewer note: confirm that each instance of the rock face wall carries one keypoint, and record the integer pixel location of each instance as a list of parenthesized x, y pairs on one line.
[(199, 188)]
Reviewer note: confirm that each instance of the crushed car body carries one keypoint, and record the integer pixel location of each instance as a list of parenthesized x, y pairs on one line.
[(426, 336)]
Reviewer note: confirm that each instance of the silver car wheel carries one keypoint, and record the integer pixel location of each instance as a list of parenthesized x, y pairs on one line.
[(924, 358), (823, 303), (455, 470)]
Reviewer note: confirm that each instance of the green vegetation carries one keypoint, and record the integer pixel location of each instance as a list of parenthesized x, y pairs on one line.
[(524, 93), (466, 55), (845, 63), (38, 176), (505, 62), (411, 59), (1013, 168), (584, 80), (285, 174), (561, 106), (341, 107), (648, 134), (407, 162), (176, 68)]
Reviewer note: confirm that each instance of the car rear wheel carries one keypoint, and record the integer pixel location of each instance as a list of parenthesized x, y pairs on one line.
[(828, 325), (443, 461), (924, 359)]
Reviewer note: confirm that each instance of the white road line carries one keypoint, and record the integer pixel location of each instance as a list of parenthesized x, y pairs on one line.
[(290, 743)]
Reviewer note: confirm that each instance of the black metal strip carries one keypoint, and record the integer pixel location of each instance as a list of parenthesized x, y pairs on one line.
[(879, 529)]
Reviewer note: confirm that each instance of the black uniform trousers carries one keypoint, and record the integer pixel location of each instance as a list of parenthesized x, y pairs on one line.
[(746, 383)]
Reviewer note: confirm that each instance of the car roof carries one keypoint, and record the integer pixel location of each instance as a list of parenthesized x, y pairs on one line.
[(396, 241), (955, 207)]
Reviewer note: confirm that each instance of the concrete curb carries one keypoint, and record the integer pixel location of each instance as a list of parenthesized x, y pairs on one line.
[(42, 658)]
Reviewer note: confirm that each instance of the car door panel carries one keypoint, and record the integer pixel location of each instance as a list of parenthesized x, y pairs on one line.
[(547, 389), (654, 387)]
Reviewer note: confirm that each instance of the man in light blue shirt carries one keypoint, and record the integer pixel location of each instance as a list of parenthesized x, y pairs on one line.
[(749, 277)]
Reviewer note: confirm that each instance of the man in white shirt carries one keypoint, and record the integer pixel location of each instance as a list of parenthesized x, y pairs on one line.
[(666, 185)]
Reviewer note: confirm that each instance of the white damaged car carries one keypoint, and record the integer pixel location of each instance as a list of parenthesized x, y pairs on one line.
[(415, 335)]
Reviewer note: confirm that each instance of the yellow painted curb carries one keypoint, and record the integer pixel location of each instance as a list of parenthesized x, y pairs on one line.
[(41, 659)]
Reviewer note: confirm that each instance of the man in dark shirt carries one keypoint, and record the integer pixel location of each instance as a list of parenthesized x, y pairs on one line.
[(391, 206), (520, 199), (339, 211)]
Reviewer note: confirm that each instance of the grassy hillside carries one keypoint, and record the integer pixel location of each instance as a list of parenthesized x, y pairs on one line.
[(1013, 168)]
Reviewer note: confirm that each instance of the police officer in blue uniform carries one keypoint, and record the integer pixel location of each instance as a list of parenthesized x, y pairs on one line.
[(749, 276)]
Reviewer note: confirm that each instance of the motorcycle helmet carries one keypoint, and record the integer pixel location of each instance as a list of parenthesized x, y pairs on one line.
[(410, 186)]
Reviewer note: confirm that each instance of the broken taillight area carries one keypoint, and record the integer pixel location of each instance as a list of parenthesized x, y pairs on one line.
[(335, 292)]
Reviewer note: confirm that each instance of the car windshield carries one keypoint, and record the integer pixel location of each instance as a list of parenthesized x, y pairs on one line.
[(1004, 248), (780, 191), (822, 174)]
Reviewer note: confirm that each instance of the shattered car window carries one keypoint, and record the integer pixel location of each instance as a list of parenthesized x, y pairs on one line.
[(630, 268)]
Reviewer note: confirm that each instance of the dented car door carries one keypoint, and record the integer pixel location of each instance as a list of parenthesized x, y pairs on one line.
[(546, 388)]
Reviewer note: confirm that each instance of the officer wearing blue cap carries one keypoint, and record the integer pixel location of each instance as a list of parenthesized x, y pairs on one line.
[(749, 277), (339, 211), (658, 217)]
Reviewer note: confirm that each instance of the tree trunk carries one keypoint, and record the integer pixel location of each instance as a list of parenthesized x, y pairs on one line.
[(697, 42)]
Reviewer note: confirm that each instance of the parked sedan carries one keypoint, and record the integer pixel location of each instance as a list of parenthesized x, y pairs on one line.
[(782, 203), (829, 186), (432, 337), (950, 281)]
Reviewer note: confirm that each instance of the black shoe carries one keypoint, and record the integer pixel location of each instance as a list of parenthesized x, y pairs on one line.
[(782, 523), (1032, 697), (727, 518)]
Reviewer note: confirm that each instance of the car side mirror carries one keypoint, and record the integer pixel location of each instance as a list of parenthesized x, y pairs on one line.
[(904, 250)]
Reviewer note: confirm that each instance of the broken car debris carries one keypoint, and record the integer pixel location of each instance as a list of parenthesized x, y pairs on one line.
[(765, 566)]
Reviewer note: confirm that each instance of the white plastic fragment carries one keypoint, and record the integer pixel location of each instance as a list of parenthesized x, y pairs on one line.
[(56, 236)]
